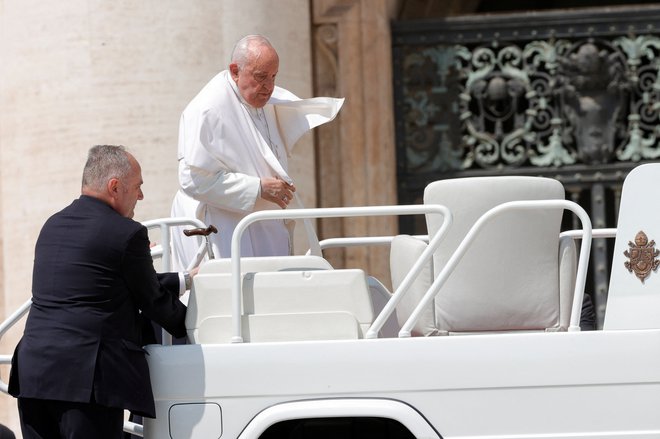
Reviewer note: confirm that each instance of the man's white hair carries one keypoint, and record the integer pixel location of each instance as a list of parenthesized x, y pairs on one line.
[(248, 48)]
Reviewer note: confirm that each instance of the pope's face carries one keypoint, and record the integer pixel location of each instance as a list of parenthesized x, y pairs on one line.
[(256, 80)]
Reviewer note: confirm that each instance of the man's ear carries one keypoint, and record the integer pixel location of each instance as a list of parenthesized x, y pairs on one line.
[(113, 187), (233, 69)]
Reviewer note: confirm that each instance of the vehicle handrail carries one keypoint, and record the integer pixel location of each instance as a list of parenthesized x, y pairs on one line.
[(361, 240), (460, 251), (163, 250), (595, 233), (409, 278), (329, 212), (4, 327)]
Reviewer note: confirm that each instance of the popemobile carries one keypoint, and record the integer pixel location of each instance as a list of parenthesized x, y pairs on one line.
[(479, 339)]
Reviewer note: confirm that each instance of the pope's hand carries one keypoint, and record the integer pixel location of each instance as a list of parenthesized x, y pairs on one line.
[(277, 191)]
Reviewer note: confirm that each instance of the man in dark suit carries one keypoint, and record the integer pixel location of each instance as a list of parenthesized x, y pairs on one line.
[(80, 362)]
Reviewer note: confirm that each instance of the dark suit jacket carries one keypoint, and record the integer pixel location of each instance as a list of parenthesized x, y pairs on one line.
[(83, 338)]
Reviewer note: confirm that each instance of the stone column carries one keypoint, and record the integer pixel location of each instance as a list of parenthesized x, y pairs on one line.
[(356, 157)]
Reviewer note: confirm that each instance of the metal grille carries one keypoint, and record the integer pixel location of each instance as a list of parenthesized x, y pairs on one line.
[(569, 95)]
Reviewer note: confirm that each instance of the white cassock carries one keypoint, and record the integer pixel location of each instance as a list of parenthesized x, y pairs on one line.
[(225, 148)]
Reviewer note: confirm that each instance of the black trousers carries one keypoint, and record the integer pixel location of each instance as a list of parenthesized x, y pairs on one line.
[(46, 419)]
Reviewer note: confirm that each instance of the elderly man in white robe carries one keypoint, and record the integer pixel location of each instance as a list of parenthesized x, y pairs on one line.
[(235, 138)]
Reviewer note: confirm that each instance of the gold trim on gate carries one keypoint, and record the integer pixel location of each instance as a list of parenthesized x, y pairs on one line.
[(642, 256)]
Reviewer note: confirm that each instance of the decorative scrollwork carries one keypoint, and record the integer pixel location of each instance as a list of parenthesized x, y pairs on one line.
[(540, 103)]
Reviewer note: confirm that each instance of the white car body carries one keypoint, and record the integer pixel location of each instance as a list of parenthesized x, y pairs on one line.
[(501, 385), (541, 385)]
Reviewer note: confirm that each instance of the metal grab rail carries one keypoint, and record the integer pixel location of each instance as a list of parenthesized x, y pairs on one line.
[(467, 241), (4, 327), (164, 249), (595, 233), (332, 212), (362, 240), (415, 270)]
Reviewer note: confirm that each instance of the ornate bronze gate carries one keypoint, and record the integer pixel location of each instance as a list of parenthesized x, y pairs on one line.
[(569, 95)]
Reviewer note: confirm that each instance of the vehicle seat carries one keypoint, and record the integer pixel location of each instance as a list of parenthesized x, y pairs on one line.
[(517, 275), (282, 306)]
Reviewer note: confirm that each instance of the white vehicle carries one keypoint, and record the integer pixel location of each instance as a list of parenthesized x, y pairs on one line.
[(291, 348)]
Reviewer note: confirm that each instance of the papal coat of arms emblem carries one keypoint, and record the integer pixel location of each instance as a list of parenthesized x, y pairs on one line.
[(642, 255)]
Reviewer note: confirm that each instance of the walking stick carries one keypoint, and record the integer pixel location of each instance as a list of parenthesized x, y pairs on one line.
[(205, 233)]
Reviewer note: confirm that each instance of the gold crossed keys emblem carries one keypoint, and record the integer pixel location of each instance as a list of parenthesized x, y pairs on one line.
[(642, 256)]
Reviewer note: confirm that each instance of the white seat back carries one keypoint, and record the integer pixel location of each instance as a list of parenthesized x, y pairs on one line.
[(633, 301), (281, 306), (509, 278)]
